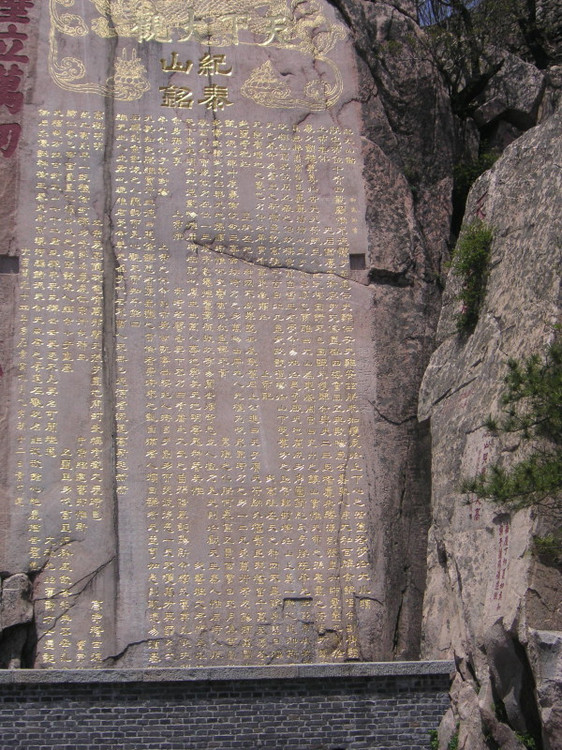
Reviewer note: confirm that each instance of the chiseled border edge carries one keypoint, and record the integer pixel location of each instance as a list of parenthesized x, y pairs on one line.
[(213, 674)]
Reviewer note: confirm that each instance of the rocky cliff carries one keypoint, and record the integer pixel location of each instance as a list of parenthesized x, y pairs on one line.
[(489, 600)]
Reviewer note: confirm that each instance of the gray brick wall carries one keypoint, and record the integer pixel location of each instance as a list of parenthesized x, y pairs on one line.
[(132, 711)]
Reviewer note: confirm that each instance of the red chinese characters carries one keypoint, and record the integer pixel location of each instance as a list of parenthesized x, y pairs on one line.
[(10, 95), (475, 507), (9, 138), (15, 10), (501, 563), (14, 14)]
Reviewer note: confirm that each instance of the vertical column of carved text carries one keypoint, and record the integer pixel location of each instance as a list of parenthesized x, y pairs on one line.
[(187, 353), (168, 462), (63, 465), (353, 491), (324, 457), (246, 453), (186, 161), (129, 240), (202, 509), (145, 264), (255, 197), (333, 148), (274, 220), (349, 209), (81, 362), (195, 505), (297, 486), (301, 207), (136, 185), (296, 249), (127, 232), (172, 407), (243, 234), (314, 192), (228, 162), (38, 451), (176, 575)]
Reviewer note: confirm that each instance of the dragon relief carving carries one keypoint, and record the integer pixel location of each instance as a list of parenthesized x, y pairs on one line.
[(297, 25)]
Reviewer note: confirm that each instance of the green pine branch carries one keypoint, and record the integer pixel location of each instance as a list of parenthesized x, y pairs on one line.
[(532, 406)]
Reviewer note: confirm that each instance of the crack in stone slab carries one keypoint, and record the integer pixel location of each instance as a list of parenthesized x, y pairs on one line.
[(89, 576), (339, 557), (260, 264), (115, 657), (75, 595), (398, 423)]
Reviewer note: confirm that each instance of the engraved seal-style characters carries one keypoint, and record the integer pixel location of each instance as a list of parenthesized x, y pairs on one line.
[(297, 25)]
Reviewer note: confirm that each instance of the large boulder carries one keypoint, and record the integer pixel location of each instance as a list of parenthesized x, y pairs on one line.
[(513, 94)]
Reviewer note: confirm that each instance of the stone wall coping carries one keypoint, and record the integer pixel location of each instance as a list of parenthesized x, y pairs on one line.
[(215, 674)]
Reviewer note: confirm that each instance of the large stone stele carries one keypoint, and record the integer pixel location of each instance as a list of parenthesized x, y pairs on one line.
[(230, 222)]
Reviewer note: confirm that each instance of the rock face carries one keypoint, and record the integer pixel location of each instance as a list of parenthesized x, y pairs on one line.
[(230, 221), (16, 615), (489, 601), (512, 96)]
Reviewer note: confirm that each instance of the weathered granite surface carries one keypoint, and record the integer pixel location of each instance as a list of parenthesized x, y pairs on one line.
[(490, 602), (231, 225)]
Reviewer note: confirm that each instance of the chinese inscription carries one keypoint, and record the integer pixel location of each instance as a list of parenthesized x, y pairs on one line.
[(251, 489), (14, 15), (215, 97), (300, 27), (502, 563)]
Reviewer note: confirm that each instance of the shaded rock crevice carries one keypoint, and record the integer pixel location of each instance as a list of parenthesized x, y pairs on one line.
[(408, 151), (110, 281), (18, 636)]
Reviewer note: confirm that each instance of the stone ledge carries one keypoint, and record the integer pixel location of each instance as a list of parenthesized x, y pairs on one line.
[(214, 674)]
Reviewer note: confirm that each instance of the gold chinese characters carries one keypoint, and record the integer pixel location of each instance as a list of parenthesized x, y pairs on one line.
[(214, 97)]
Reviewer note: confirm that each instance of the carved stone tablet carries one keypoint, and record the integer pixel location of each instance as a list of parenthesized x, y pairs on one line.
[(192, 372)]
